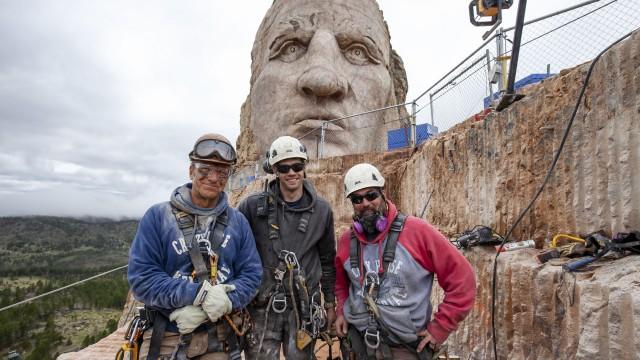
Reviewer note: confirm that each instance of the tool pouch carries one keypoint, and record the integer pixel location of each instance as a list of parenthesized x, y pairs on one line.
[(303, 338)]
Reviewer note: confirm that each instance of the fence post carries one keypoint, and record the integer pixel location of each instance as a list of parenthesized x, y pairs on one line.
[(488, 56), (500, 57), (431, 108), (322, 139), (413, 137)]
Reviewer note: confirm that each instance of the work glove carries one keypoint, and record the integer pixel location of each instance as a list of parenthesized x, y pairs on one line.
[(188, 318), (214, 299)]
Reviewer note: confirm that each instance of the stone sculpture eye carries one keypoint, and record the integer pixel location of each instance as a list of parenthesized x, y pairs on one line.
[(290, 51), (358, 54)]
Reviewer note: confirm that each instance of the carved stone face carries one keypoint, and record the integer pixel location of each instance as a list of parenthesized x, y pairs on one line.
[(322, 60)]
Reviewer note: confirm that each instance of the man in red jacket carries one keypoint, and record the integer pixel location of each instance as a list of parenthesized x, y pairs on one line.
[(385, 267)]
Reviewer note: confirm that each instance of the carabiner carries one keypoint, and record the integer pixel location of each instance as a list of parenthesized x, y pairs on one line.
[(290, 259), (370, 334), (279, 303), (278, 275), (132, 334), (205, 243), (131, 330), (371, 280)]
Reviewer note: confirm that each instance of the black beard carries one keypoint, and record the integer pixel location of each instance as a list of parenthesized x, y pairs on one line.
[(368, 223)]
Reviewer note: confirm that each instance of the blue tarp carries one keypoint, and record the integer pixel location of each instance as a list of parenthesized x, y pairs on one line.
[(530, 79), (399, 138)]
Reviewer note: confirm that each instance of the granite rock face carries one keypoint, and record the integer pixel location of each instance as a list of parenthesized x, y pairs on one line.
[(486, 172), (314, 61)]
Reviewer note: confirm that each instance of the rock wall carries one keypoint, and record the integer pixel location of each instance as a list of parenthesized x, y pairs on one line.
[(486, 172)]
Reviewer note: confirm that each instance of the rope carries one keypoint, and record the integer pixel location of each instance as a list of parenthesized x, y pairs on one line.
[(60, 289)]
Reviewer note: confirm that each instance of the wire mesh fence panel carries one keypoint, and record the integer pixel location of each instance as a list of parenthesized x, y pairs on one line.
[(460, 96), (574, 37)]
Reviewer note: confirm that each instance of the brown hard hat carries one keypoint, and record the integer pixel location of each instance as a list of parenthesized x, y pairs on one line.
[(213, 148)]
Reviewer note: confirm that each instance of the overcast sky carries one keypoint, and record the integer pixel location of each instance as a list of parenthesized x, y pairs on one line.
[(100, 101)]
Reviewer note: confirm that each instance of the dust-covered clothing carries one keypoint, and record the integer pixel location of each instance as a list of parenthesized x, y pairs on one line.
[(279, 333), (196, 350), (304, 228), (403, 295), (160, 267)]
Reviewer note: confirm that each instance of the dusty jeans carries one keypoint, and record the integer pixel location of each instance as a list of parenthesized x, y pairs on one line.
[(280, 332), (197, 349)]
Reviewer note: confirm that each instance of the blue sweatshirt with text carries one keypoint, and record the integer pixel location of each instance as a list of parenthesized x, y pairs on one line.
[(160, 267)]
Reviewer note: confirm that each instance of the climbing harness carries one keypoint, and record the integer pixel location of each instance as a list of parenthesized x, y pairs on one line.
[(289, 267), (376, 335), (204, 257)]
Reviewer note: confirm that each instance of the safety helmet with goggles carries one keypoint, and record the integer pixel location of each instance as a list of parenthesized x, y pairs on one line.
[(213, 148), (362, 176)]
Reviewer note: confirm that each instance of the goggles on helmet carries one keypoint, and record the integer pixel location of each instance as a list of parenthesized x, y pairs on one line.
[(209, 148)]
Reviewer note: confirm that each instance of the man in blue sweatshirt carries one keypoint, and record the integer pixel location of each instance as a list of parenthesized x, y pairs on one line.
[(194, 261)]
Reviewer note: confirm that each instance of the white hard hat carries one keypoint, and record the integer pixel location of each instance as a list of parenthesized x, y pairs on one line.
[(286, 147), (362, 176)]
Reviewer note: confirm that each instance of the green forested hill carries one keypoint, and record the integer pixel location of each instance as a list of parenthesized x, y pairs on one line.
[(41, 253), (40, 245)]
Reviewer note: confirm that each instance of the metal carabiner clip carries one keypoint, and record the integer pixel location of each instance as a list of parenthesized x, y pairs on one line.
[(279, 303), (318, 315), (131, 330), (376, 337), (290, 259), (371, 279), (131, 335), (204, 242)]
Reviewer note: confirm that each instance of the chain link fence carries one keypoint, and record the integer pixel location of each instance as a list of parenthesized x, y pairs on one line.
[(557, 41), (566, 39)]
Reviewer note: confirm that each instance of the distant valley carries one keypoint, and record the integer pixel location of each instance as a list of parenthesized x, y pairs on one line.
[(42, 253)]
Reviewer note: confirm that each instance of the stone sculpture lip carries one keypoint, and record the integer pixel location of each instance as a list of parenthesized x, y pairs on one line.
[(316, 123)]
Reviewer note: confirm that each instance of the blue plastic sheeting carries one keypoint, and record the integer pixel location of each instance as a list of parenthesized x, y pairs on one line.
[(530, 79), (399, 138)]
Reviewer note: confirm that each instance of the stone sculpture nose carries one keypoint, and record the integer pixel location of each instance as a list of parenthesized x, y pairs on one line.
[(323, 82)]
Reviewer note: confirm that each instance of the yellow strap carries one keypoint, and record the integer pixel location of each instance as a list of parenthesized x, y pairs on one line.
[(213, 261), (554, 241)]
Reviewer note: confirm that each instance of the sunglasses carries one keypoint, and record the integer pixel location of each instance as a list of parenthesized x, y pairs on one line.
[(283, 169), (207, 149), (370, 196), (204, 170)]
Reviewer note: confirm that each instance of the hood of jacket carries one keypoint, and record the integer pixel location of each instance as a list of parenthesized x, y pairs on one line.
[(181, 199)]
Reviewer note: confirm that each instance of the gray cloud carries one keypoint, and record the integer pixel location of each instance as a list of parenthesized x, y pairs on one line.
[(100, 101)]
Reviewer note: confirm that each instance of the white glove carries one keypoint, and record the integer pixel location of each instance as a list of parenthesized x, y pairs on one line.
[(214, 299), (188, 318)]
